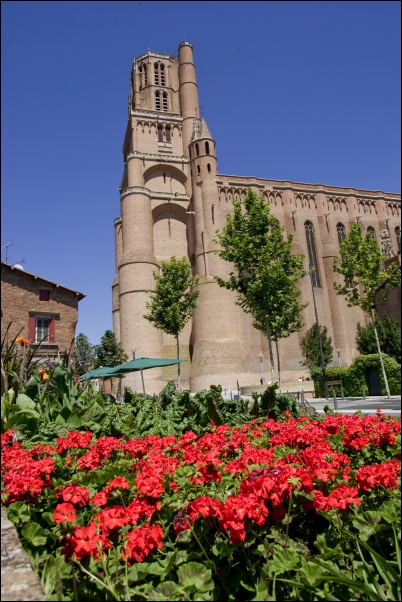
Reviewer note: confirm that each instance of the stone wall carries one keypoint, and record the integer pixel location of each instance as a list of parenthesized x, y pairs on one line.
[(18, 580)]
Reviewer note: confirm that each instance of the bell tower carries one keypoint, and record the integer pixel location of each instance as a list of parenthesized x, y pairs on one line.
[(169, 205)]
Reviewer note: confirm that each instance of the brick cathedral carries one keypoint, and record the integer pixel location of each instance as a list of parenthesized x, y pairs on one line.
[(171, 202)]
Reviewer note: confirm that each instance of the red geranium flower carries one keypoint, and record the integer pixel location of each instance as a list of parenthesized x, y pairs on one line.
[(64, 513)]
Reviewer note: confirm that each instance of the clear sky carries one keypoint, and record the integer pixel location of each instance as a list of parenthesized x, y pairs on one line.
[(301, 91)]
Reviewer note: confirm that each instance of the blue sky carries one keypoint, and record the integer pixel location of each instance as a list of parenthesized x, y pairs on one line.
[(302, 91)]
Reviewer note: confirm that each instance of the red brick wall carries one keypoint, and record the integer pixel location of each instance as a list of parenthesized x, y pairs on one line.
[(392, 306), (20, 296)]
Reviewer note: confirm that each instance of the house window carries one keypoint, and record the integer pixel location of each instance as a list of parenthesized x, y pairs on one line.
[(156, 74), (197, 150), (44, 295), (312, 254), (141, 76), (165, 102), (198, 169), (157, 101), (371, 232), (162, 75), (160, 133), (207, 148), (398, 238), (209, 168), (41, 330), (145, 75), (167, 132)]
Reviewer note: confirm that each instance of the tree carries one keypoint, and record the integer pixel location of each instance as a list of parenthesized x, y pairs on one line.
[(109, 353), (389, 335), (362, 266), (84, 356), (266, 272), (174, 300), (311, 349)]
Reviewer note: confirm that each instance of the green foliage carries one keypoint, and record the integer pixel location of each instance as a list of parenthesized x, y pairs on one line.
[(175, 298), (361, 265), (310, 347), (354, 377), (389, 334), (266, 272), (109, 353), (84, 354)]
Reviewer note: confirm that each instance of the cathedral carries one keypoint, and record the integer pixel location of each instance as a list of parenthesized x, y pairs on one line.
[(172, 200)]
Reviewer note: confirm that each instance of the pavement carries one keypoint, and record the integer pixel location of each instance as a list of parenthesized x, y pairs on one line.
[(350, 405)]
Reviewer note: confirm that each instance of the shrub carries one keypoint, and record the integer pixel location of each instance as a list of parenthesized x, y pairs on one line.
[(354, 377)]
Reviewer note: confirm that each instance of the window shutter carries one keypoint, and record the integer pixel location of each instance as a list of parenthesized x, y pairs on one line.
[(31, 330), (51, 331)]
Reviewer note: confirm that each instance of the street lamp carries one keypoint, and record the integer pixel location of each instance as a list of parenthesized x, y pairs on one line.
[(319, 334), (134, 349), (262, 371), (339, 357)]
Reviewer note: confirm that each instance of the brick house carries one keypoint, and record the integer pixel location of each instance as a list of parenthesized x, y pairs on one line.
[(38, 309)]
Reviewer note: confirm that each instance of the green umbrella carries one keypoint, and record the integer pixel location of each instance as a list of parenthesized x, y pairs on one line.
[(143, 363), (105, 372)]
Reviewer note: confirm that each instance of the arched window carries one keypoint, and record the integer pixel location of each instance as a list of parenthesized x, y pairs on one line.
[(141, 76), (312, 254), (162, 75), (165, 102), (371, 232), (197, 150), (198, 169), (398, 238), (157, 101), (207, 148), (209, 168), (160, 133), (164, 177), (167, 133), (145, 75), (156, 68), (340, 228)]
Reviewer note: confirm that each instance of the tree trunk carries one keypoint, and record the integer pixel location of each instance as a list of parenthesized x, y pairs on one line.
[(271, 354), (178, 365), (380, 354), (279, 365)]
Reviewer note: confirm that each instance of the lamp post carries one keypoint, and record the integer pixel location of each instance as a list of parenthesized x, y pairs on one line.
[(319, 334), (134, 349), (339, 357), (262, 370)]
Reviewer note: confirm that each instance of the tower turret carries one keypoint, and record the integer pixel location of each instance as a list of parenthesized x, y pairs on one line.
[(217, 346)]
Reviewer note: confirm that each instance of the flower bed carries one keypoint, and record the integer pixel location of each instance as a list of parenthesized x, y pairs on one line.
[(299, 509)]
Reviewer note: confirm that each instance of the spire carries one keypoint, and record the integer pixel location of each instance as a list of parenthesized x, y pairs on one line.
[(205, 133)]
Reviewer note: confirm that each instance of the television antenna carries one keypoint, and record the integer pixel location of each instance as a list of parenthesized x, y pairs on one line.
[(6, 247)]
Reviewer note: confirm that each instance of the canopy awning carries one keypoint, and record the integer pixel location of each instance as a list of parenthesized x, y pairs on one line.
[(144, 363), (139, 364)]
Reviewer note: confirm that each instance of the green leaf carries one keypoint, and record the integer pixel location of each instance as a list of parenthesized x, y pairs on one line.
[(195, 576), (60, 419), (312, 572), (23, 401), (283, 560), (34, 534), (18, 512), (74, 419)]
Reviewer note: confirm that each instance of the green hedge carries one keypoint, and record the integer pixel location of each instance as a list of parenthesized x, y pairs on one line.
[(354, 377)]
